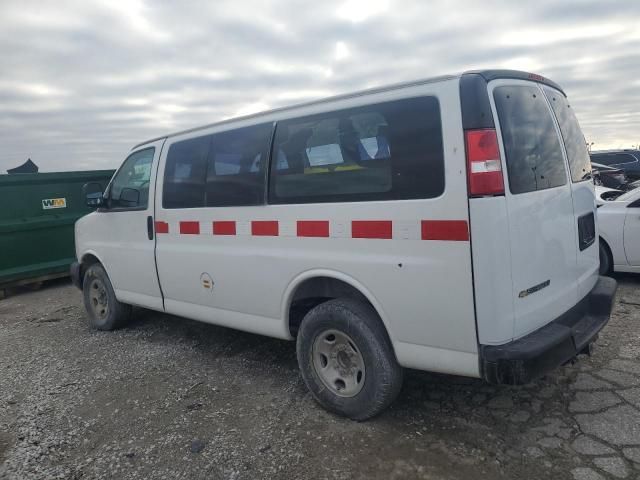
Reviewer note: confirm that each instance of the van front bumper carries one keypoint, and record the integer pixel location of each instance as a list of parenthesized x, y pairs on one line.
[(74, 271), (530, 357)]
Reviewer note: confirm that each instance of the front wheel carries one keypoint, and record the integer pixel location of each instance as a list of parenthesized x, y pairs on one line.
[(346, 359), (104, 310)]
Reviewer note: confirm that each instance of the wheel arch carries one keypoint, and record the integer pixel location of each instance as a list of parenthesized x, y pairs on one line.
[(90, 258), (607, 246), (299, 296)]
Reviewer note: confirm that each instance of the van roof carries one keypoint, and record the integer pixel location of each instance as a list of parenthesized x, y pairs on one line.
[(487, 75)]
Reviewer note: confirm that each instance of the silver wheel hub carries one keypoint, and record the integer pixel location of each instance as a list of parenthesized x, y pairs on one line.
[(338, 363), (98, 299)]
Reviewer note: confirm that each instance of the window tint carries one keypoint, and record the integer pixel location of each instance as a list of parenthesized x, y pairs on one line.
[(185, 173), (574, 141), (130, 186), (222, 169), (532, 147), (237, 161), (386, 151)]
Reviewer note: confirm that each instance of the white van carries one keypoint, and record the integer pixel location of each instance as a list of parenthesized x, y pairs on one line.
[(444, 225)]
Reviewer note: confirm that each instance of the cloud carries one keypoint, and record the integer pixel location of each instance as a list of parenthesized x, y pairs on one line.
[(83, 81)]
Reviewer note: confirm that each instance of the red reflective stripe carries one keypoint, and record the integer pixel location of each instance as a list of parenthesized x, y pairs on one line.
[(456, 230), (371, 229), (224, 228), (264, 228), (448, 230), (162, 227), (190, 228), (313, 228)]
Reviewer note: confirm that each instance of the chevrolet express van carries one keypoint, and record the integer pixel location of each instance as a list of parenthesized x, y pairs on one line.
[(445, 225)]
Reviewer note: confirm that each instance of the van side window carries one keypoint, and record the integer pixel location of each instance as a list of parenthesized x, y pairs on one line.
[(223, 169), (185, 173), (130, 186), (574, 141), (531, 143), (385, 151), (237, 162)]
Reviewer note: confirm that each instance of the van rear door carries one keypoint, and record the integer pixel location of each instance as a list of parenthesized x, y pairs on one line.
[(539, 204), (582, 190)]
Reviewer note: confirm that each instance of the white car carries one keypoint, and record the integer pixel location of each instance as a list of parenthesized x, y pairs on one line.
[(619, 223), (444, 225), (605, 194)]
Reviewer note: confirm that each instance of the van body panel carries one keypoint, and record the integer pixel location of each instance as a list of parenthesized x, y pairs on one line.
[(259, 324), (542, 250), (541, 233), (493, 287), (440, 360), (409, 277), (492, 269), (588, 260), (582, 190)]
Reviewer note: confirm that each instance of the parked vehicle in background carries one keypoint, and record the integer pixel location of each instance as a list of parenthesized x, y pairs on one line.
[(619, 221), (444, 225), (626, 160), (609, 177), (604, 194)]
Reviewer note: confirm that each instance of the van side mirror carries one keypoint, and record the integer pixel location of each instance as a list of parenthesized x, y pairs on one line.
[(93, 194), (130, 197)]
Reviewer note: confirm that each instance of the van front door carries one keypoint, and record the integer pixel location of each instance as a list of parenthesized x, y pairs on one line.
[(127, 240), (539, 206)]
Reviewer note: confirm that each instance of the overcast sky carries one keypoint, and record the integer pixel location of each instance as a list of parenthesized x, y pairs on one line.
[(82, 82)]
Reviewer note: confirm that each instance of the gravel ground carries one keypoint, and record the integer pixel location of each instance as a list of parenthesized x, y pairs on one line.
[(169, 398)]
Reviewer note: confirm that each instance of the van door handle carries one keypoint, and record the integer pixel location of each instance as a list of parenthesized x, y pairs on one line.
[(150, 227)]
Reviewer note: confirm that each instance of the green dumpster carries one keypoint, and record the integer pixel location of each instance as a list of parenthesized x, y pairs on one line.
[(37, 215)]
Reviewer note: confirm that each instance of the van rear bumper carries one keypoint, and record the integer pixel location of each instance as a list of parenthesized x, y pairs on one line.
[(530, 357)]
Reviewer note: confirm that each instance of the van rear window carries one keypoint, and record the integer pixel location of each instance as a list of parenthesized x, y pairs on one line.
[(532, 147), (574, 142), (385, 151)]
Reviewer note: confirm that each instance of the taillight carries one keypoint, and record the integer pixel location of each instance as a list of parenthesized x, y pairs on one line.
[(483, 163)]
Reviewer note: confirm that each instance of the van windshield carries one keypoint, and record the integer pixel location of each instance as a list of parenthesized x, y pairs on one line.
[(574, 142)]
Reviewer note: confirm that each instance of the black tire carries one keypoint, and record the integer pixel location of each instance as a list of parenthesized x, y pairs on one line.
[(382, 376), (606, 261), (105, 312)]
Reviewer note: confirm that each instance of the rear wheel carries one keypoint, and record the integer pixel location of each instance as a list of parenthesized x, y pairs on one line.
[(606, 262), (346, 359), (104, 310)]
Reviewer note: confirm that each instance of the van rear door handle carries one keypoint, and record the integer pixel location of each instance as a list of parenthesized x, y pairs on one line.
[(150, 227)]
